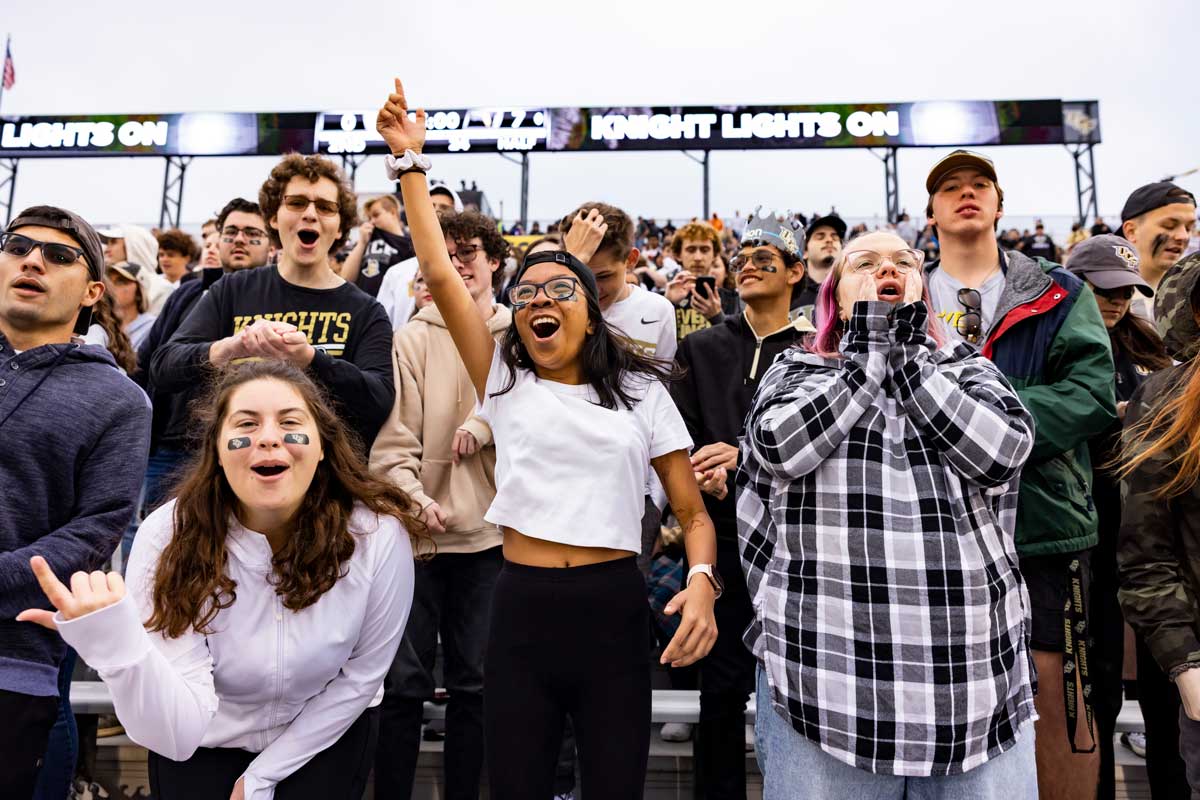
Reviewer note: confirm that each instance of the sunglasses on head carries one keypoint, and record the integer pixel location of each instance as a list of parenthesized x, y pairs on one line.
[(60, 255), (299, 203), (970, 324)]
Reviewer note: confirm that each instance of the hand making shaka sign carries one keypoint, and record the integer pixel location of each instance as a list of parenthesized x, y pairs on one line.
[(89, 592)]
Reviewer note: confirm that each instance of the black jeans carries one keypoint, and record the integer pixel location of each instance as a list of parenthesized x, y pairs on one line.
[(1159, 699), (1189, 750), (453, 595), (568, 641), (726, 682), (339, 772), (27, 720)]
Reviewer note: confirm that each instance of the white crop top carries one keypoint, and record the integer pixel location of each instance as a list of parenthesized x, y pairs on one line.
[(569, 470)]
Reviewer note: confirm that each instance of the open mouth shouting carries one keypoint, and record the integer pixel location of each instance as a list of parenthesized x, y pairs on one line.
[(544, 327), (889, 290), (308, 239), (269, 470)]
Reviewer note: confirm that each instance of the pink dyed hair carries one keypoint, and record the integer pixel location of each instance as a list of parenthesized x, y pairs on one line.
[(826, 341)]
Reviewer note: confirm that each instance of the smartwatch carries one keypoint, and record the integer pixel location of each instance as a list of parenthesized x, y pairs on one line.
[(713, 577)]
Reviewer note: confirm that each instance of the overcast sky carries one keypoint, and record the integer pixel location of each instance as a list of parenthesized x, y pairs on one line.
[(129, 57)]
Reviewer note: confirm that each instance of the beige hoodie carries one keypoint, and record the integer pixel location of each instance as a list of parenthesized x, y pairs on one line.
[(434, 398)]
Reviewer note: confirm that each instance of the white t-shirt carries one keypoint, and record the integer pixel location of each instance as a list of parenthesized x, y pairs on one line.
[(569, 470), (396, 292), (648, 319)]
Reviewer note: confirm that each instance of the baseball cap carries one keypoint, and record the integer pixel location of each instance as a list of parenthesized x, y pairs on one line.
[(960, 159), (127, 270), (70, 223), (1108, 262), (829, 221), (112, 232), (1152, 196)]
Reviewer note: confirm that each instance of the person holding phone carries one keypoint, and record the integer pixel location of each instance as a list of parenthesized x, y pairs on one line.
[(579, 416), (702, 291), (263, 606)]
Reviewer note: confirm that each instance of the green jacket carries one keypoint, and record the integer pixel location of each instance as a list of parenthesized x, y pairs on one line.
[(1049, 340)]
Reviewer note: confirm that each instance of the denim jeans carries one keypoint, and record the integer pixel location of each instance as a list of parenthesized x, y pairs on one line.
[(794, 768), (452, 596), (62, 749), (162, 469)]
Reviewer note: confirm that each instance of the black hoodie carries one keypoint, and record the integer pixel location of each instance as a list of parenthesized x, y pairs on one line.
[(724, 364)]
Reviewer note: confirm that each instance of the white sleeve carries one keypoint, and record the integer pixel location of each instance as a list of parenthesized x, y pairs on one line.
[(668, 432), (330, 714), (162, 688), (668, 336), (387, 296)]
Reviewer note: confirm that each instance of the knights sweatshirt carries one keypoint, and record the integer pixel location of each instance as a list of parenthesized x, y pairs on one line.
[(74, 434)]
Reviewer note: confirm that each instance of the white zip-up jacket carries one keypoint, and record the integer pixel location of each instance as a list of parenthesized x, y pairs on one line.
[(284, 684)]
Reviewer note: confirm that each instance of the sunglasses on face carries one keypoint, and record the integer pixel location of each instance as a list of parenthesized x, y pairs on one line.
[(60, 255), (970, 324), (299, 203), (761, 259), (1114, 295), (465, 253), (561, 288), (869, 262), (253, 235)]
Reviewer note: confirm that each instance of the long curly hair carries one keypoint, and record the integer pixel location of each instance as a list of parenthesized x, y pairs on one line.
[(104, 314), (191, 585)]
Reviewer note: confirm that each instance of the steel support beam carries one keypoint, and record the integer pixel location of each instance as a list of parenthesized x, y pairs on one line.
[(8, 186), (703, 162), (350, 165), (523, 161), (891, 182), (1085, 181), (172, 194)]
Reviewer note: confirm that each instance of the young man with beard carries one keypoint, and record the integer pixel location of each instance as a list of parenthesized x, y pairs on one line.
[(1158, 220), (396, 290), (1041, 326), (723, 365), (381, 245), (696, 246), (299, 311), (75, 433), (823, 245), (436, 449), (243, 243)]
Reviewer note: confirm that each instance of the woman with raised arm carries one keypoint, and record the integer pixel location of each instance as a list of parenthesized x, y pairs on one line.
[(264, 604), (579, 417)]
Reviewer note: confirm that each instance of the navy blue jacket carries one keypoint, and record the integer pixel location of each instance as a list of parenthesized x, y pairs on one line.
[(74, 434)]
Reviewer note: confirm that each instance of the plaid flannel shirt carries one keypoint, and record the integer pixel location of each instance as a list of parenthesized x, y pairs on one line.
[(876, 511)]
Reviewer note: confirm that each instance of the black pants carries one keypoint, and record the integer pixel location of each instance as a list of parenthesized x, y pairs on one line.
[(726, 683), (339, 772), (1189, 750), (1159, 699), (25, 723), (1107, 657), (453, 595), (568, 641)]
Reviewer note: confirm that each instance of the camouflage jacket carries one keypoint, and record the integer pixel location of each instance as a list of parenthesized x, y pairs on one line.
[(1159, 545)]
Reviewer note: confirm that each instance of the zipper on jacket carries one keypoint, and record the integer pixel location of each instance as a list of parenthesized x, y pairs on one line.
[(757, 352), (279, 632)]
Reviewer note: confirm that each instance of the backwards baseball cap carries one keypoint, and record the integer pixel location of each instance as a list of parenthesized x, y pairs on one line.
[(827, 221), (70, 223), (1108, 262), (126, 270), (786, 232), (961, 159), (577, 267), (1152, 196)]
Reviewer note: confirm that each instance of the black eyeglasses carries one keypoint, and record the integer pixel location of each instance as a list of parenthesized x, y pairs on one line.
[(299, 203), (560, 288), (970, 324), (60, 255), (761, 259), (253, 235), (1120, 293)]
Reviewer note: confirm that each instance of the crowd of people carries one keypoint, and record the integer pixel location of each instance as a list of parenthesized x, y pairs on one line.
[(917, 490)]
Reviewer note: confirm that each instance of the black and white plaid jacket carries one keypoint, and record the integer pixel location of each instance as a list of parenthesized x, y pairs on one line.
[(876, 508)]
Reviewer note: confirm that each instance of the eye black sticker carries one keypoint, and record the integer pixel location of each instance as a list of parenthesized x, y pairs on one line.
[(240, 443), (295, 438)]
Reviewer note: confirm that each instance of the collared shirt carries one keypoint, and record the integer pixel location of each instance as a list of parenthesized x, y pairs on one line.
[(876, 508)]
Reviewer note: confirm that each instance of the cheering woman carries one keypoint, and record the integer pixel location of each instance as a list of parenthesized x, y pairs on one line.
[(579, 417), (263, 605)]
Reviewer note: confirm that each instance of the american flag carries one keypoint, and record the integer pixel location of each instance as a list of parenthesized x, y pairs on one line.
[(10, 73)]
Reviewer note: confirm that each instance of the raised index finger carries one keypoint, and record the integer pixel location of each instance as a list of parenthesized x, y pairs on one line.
[(58, 594), (400, 91)]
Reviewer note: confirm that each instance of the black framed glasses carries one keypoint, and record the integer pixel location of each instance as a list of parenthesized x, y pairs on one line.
[(299, 203), (970, 323), (253, 235), (560, 288), (761, 259), (1114, 295), (60, 255), (465, 253)]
